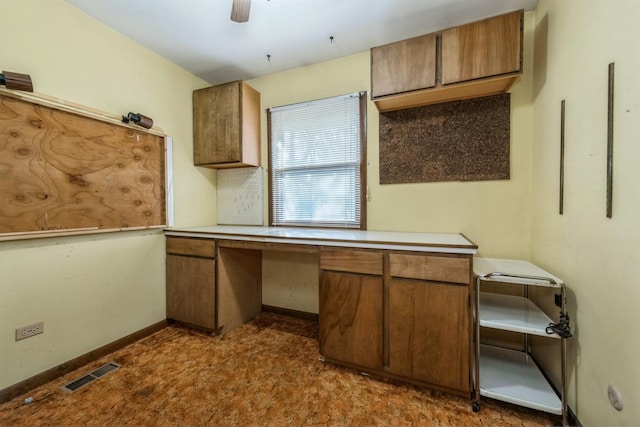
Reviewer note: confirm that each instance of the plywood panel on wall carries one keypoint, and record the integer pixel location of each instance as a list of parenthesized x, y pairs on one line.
[(464, 140), (64, 171)]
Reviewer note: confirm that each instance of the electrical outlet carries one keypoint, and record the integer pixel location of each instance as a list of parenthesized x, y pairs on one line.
[(29, 331), (615, 398)]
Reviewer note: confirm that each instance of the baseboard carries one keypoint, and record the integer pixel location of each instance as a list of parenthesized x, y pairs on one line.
[(573, 420), (289, 312), (57, 371)]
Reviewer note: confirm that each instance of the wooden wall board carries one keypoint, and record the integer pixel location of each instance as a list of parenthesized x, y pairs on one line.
[(64, 171), (465, 140)]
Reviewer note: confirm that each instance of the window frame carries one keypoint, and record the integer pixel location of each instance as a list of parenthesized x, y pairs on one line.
[(362, 121)]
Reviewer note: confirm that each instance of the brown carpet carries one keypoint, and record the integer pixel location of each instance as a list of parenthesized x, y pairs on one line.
[(266, 373)]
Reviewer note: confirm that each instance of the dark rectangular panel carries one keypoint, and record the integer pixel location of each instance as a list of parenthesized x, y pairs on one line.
[(464, 140)]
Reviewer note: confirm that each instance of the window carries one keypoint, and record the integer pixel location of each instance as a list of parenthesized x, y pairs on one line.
[(316, 162)]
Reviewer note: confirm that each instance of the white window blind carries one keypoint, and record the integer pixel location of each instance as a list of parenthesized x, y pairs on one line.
[(316, 162)]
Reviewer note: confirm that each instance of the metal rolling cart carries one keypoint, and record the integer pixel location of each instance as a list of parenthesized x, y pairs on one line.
[(511, 375)]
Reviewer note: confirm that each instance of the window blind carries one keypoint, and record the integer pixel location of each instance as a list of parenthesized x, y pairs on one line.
[(316, 160)]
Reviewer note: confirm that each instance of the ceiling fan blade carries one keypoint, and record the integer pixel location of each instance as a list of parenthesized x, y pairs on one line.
[(240, 10)]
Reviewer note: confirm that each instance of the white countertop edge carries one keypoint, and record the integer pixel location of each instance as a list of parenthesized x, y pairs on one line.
[(322, 242)]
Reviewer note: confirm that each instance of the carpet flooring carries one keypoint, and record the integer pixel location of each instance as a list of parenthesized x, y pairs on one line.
[(265, 373)]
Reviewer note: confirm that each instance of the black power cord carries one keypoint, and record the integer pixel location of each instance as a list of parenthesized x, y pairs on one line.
[(561, 328)]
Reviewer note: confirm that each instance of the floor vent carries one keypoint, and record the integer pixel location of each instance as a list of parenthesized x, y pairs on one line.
[(90, 377)]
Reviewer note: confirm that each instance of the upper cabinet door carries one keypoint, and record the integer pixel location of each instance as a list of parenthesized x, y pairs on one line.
[(482, 49), (226, 126), (403, 66), (216, 117)]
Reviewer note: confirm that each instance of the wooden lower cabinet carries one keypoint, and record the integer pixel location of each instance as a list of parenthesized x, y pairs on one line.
[(401, 315), (191, 281), (429, 332), (191, 295), (213, 288), (351, 318)]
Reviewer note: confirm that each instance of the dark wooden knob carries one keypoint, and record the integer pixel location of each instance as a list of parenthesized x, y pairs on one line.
[(17, 81)]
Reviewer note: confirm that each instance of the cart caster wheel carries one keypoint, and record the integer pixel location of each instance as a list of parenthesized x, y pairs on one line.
[(476, 406)]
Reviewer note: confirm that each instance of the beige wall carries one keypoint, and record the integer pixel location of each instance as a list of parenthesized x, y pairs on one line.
[(92, 290), (599, 258), (494, 214)]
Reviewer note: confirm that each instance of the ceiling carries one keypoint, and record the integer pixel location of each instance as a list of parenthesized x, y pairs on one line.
[(199, 36)]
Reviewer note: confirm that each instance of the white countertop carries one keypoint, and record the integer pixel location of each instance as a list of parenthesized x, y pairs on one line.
[(422, 242)]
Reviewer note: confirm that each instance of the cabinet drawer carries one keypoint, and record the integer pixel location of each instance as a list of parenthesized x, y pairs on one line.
[(195, 247), (351, 261), (427, 267)]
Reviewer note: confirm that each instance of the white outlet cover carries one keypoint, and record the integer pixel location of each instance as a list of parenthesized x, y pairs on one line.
[(29, 331)]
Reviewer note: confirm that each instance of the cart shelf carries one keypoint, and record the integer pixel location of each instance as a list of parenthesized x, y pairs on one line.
[(512, 376), (513, 313)]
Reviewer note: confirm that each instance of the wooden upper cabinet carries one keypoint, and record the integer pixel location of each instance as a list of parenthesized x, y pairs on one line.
[(478, 59), (403, 66), (226, 126), (482, 49)]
